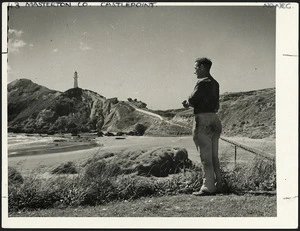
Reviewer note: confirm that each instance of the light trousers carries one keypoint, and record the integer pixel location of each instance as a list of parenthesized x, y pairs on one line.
[(207, 129)]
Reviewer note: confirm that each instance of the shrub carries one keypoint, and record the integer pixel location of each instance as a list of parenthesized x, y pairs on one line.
[(140, 129), (98, 180), (32, 194), (14, 176), (100, 169), (65, 168), (102, 182), (133, 187), (258, 175)]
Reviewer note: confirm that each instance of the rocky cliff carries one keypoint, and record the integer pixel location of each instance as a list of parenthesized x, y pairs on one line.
[(33, 108), (36, 109)]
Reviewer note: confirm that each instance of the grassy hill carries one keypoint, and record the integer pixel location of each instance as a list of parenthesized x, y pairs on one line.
[(26, 99), (249, 114), (36, 109)]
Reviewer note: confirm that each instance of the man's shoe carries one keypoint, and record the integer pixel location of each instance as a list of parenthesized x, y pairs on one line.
[(203, 193)]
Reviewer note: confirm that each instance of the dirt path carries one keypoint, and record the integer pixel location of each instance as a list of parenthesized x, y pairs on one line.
[(148, 113), (156, 115)]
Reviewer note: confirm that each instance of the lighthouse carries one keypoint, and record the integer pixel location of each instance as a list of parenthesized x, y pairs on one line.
[(75, 80)]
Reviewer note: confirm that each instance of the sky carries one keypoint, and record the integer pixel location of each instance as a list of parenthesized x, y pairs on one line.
[(142, 53)]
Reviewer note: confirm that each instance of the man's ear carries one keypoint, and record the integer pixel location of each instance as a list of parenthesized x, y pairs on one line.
[(202, 67)]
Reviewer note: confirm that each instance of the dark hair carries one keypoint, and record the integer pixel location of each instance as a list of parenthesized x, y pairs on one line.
[(205, 61)]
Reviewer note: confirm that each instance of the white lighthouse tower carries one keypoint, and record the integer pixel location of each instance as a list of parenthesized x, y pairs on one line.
[(75, 80)]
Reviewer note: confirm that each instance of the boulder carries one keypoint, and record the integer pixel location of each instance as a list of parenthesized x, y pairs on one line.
[(163, 161), (120, 133), (159, 162), (109, 134), (100, 134)]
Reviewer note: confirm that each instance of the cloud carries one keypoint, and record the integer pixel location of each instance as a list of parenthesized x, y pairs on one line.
[(14, 45), (31, 45), (14, 32), (15, 42), (84, 47), (55, 50)]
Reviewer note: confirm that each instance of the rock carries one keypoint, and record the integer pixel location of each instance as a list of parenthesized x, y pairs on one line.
[(159, 162), (120, 134), (120, 138), (162, 162), (108, 134), (100, 134), (60, 140), (132, 133), (113, 100)]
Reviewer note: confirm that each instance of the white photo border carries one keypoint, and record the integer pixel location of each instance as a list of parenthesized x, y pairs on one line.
[(286, 142)]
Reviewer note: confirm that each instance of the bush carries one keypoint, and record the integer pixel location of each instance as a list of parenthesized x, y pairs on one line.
[(14, 176), (259, 175), (140, 129), (133, 187), (100, 169), (32, 194), (65, 168), (98, 180), (103, 182)]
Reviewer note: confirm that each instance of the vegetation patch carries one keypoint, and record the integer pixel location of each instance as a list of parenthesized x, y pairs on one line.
[(102, 180), (65, 168), (259, 175), (14, 176), (159, 162)]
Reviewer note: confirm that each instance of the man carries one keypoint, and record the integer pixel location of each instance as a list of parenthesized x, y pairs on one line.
[(207, 127)]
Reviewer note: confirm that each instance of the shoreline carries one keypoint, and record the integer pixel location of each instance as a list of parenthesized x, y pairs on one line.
[(45, 151)]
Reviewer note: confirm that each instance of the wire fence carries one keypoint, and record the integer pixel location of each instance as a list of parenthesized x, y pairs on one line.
[(254, 151)]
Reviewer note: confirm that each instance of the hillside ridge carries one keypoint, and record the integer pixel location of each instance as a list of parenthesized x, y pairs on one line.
[(33, 108)]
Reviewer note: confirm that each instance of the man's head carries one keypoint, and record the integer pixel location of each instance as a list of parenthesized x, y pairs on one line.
[(202, 67)]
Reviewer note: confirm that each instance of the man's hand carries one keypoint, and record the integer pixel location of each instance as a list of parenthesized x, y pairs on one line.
[(185, 104)]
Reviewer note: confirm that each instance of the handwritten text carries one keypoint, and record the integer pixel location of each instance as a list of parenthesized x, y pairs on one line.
[(280, 5)]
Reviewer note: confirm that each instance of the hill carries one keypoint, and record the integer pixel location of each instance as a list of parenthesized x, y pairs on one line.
[(250, 114), (36, 109), (26, 99)]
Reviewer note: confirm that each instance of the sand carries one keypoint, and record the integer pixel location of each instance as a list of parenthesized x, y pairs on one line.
[(42, 155)]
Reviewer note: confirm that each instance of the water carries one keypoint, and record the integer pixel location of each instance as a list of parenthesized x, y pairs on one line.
[(21, 139)]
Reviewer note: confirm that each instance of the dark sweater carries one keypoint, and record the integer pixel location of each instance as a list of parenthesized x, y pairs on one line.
[(205, 97)]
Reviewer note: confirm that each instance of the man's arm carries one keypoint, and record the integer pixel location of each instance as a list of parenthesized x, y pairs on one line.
[(196, 95), (190, 102)]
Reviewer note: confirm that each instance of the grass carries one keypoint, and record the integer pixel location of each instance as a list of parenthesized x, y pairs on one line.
[(14, 176), (182, 205), (259, 175), (103, 182), (65, 168)]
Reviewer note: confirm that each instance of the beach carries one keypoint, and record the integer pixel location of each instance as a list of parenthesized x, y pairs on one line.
[(31, 153)]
